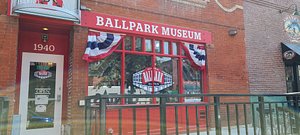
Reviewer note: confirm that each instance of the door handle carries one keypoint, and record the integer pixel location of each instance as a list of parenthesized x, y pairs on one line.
[(58, 98)]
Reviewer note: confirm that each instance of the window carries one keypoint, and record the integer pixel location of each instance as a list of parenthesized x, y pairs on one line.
[(135, 68)]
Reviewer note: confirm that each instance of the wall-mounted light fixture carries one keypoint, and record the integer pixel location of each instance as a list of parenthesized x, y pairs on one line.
[(232, 32), (295, 9), (84, 8)]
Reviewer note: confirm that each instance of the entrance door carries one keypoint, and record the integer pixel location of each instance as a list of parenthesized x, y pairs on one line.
[(41, 94)]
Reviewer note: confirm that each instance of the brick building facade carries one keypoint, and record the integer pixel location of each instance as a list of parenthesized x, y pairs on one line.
[(226, 60), (264, 36)]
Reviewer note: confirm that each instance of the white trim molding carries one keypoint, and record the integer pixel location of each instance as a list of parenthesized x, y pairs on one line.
[(235, 7)]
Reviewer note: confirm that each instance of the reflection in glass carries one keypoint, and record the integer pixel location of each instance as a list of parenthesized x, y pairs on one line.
[(105, 76), (192, 81), (170, 67), (148, 44), (133, 65), (166, 47), (157, 46), (138, 44), (128, 43), (41, 95), (174, 48)]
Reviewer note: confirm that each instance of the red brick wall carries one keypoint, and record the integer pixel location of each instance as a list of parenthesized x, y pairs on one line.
[(3, 6), (78, 80), (8, 58)]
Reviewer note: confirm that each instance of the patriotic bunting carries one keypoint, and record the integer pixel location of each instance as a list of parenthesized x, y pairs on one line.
[(100, 45), (197, 54)]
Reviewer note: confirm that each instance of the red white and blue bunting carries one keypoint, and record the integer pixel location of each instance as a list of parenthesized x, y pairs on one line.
[(197, 54), (100, 45)]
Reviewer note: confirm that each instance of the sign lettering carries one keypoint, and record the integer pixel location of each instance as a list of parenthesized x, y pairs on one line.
[(41, 47), (125, 25)]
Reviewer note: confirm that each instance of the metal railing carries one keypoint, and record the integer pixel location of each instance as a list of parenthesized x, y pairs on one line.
[(232, 114), (4, 105)]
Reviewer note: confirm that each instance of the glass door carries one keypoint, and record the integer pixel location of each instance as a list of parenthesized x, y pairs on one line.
[(41, 93)]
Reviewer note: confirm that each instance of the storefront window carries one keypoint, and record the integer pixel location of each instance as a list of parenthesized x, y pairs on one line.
[(128, 43), (192, 81), (138, 44), (145, 71), (174, 48), (105, 76), (157, 46), (148, 44), (169, 66), (134, 68), (166, 47)]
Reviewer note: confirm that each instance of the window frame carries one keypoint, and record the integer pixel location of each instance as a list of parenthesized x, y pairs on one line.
[(179, 46)]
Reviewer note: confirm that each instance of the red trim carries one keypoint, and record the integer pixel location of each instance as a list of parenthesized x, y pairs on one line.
[(133, 43), (153, 66), (8, 7), (35, 19), (123, 73), (181, 88)]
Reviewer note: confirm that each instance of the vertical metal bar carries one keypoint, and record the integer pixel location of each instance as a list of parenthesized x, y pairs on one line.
[(237, 118), (262, 115), (123, 72), (284, 120), (134, 120), (96, 119), (291, 124), (163, 121), (277, 119), (206, 119), (87, 117), (228, 119), (245, 117), (120, 121), (290, 116), (296, 105), (176, 120), (271, 118), (197, 119), (102, 115), (187, 120), (217, 115), (148, 121), (253, 118)]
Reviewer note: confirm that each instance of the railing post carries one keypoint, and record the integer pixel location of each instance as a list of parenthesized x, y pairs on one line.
[(163, 121), (217, 115), (296, 107), (87, 116), (102, 115), (261, 110)]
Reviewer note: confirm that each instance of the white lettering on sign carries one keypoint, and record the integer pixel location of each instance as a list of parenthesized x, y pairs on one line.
[(158, 75), (41, 47), (149, 77), (147, 28), (126, 25)]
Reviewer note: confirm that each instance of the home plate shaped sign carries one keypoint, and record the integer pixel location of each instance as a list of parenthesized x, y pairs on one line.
[(149, 77)]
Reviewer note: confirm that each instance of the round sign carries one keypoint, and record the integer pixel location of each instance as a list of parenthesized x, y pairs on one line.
[(292, 27), (289, 54)]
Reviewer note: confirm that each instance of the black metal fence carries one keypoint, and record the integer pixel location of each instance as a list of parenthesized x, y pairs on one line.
[(4, 104), (230, 114)]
